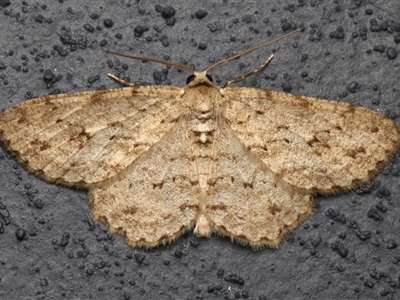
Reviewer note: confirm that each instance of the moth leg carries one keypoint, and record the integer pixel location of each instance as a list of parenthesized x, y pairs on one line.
[(120, 80), (256, 70)]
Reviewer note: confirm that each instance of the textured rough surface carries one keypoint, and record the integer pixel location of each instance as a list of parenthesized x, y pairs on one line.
[(230, 163), (51, 246)]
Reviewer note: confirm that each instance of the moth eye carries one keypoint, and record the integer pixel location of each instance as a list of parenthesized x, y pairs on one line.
[(209, 78), (190, 79)]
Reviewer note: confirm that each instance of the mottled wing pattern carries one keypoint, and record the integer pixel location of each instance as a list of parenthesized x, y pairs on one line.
[(86, 137), (155, 199), (247, 201), (318, 145)]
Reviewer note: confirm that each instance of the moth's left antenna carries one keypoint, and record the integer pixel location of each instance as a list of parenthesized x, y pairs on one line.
[(159, 60)]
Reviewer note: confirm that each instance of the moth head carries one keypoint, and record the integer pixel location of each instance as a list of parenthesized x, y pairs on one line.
[(200, 89), (199, 78)]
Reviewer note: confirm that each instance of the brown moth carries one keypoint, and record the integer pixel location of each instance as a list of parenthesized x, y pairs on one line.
[(158, 160)]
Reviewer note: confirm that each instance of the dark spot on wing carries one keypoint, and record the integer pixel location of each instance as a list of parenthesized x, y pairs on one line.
[(158, 185), (85, 135), (22, 119), (353, 153), (215, 207), (361, 149), (301, 100), (35, 142), (247, 185), (279, 127), (274, 209), (131, 210), (313, 141), (97, 96), (352, 108), (45, 146), (267, 94), (316, 142), (339, 128), (184, 207)]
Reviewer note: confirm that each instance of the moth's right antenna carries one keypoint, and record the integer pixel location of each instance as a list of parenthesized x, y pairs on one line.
[(256, 70), (251, 49)]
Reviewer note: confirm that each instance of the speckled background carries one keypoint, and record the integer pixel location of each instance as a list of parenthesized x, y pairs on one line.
[(51, 247)]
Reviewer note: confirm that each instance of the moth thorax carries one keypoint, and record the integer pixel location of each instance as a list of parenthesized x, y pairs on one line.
[(202, 119)]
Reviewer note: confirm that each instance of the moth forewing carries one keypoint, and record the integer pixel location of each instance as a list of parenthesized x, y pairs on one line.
[(84, 138)]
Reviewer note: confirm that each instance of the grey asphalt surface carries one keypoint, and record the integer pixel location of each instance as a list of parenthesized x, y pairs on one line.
[(50, 245)]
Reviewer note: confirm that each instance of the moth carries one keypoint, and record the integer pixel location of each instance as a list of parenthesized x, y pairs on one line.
[(158, 160)]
